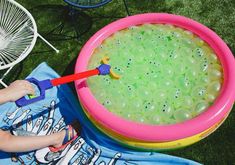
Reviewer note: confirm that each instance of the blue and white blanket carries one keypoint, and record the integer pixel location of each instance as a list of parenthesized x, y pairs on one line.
[(51, 115)]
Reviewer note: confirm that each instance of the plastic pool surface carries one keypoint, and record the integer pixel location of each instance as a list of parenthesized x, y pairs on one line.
[(159, 133)]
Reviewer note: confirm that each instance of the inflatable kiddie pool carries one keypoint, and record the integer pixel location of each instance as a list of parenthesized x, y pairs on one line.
[(151, 128)]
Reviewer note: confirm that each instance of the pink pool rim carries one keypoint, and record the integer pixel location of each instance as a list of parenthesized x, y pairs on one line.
[(153, 133)]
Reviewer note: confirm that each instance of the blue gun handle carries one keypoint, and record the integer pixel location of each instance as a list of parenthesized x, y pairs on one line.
[(42, 86)]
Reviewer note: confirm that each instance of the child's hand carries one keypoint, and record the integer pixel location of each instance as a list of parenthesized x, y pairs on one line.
[(18, 89)]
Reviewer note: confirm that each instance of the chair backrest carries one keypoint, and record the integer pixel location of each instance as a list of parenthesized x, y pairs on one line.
[(18, 33), (87, 4)]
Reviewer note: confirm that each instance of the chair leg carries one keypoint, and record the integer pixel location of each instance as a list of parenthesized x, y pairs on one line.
[(48, 43), (3, 84), (126, 7), (3, 76)]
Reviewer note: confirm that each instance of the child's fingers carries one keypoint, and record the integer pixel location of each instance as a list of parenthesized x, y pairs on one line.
[(27, 84), (29, 89)]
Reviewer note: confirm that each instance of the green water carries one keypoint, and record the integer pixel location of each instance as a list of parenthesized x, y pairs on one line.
[(168, 75)]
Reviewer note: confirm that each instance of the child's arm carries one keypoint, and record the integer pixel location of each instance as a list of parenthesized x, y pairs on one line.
[(16, 90), (11, 143)]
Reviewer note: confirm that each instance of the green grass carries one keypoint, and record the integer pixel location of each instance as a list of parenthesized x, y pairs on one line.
[(219, 15)]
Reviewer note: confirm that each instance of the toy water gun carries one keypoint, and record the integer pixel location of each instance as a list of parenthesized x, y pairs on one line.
[(103, 69)]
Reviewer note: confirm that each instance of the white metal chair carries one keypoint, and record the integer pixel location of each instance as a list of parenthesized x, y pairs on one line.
[(18, 35)]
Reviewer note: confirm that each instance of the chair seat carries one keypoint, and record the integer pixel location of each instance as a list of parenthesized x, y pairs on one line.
[(87, 3), (17, 33)]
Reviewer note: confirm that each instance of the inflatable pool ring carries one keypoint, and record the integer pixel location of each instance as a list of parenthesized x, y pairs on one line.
[(172, 128), (157, 146)]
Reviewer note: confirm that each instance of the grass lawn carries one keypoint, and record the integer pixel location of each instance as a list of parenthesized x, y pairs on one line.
[(219, 15)]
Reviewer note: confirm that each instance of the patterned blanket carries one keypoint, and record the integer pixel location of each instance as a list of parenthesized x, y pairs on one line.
[(51, 115)]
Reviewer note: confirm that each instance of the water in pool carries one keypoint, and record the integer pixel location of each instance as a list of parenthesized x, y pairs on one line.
[(168, 75)]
